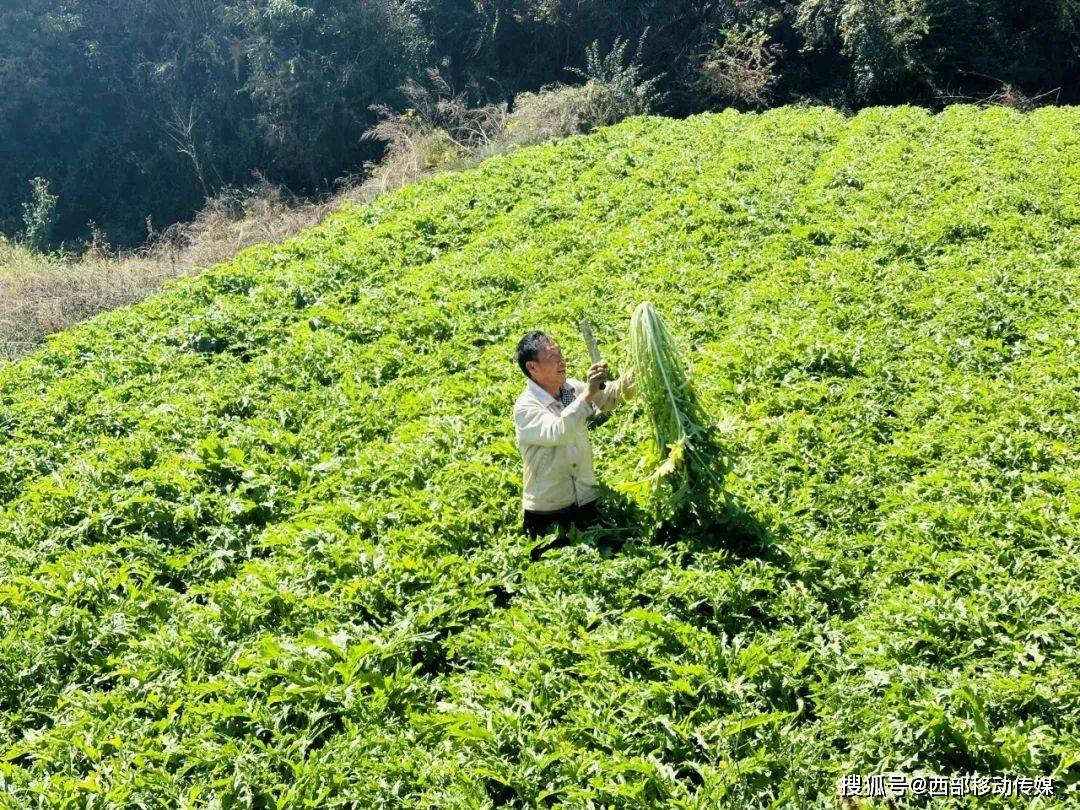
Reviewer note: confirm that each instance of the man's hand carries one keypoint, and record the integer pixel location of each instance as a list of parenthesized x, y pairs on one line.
[(597, 374)]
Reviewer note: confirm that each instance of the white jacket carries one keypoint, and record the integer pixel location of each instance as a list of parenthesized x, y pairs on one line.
[(554, 442)]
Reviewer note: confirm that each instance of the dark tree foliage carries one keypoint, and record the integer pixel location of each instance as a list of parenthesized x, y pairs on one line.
[(135, 111)]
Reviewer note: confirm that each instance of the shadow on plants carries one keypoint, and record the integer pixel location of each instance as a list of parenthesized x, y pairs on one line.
[(730, 527)]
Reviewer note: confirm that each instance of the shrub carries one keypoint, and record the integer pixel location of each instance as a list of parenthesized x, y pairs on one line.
[(438, 130), (881, 42), (740, 68), (611, 92), (39, 215), (557, 112), (626, 93)]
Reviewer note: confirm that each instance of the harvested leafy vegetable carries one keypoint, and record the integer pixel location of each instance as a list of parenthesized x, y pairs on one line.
[(690, 461)]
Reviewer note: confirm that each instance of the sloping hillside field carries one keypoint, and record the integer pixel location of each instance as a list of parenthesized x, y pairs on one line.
[(259, 535)]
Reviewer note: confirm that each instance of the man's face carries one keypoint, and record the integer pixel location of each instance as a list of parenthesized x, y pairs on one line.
[(549, 368)]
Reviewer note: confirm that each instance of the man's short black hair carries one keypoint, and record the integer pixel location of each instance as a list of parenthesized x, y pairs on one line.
[(528, 348)]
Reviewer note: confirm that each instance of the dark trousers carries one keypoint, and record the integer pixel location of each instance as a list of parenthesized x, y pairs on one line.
[(580, 515)]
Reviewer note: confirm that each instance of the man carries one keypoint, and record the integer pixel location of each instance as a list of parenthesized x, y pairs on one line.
[(550, 426)]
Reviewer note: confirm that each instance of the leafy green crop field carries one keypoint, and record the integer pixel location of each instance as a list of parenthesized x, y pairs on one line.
[(259, 534)]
